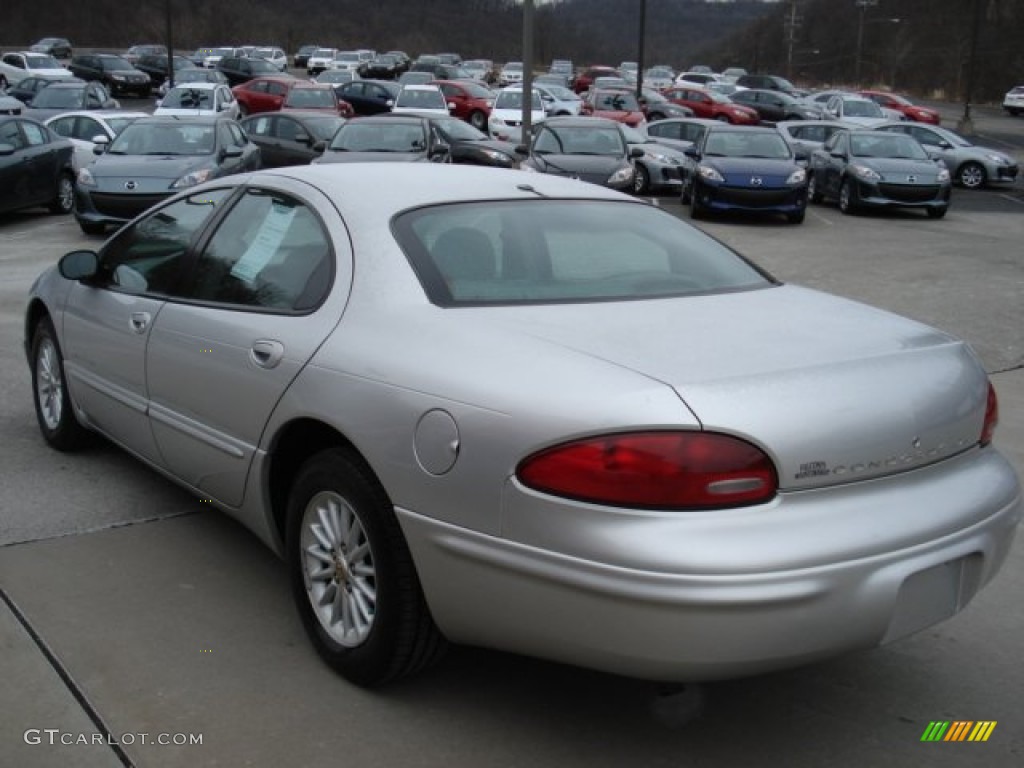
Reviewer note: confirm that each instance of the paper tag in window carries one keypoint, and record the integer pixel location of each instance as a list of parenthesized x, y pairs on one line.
[(266, 243)]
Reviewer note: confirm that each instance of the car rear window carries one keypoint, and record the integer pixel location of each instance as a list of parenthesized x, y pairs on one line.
[(548, 251)]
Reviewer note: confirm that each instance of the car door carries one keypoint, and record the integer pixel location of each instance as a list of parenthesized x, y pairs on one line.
[(254, 309), (294, 142), (353, 93), (935, 145), (108, 321), (834, 158)]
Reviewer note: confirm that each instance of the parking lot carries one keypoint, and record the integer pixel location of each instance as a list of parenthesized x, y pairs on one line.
[(132, 608)]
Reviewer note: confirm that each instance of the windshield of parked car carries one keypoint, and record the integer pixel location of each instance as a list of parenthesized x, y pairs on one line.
[(311, 98), (561, 93), (164, 138), (427, 98), (580, 140), (58, 98), (514, 66), (42, 62), (323, 127), (336, 76), (343, 56), (459, 130), (616, 101), (118, 124), (196, 76), (886, 145), (514, 100), (861, 108), (632, 135), (562, 251), (746, 144), (378, 136), (477, 91), (188, 98), (114, 64), (264, 53)]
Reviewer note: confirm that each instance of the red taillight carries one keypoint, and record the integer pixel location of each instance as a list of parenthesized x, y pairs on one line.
[(988, 429), (654, 470)]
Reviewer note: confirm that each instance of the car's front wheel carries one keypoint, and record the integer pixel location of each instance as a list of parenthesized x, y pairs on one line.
[(92, 227), (352, 575), (971, 175), (478, 120), (641, 180), (813, 193), (54, 411), (936, 212), (847, 203)]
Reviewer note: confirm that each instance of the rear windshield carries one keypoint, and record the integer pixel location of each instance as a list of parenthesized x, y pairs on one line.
[(561, 251)]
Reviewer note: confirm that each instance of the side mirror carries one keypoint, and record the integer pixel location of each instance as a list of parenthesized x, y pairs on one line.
[(522, 149), (6, 150), (945, 145), (440, 153), (304, 138), (451, 106), (691, 151), (635, 153), (78, 265), (230, 152), (319, 146), (802, 155)]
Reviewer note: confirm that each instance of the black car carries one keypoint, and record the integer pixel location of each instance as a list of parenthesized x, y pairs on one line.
[(768, 83), (155, 65), (291, 138), (879, 169), (775, 106), (114, 72), (384, 67), (441, 71), (466, 144), (386, 138), (744, 169), (26, 89), (240, 69), (151, 159), (301, 57), (58, 47), (64, 97), (369, 97), (36, 166), (588, 148)]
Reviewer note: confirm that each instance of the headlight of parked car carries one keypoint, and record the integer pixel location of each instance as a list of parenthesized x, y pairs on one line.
[(621, 176), (998, 159), (85, 178), (863, 172), (799, 176), (192, 178), (943, 176), (709, 173), (658, 157), (496, 156)]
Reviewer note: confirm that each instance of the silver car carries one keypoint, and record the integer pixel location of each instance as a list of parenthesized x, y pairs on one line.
[(516, 411), (971, 166)]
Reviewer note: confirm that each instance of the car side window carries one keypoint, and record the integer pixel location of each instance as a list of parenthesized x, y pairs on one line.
[(87, 129), (34, 134), (287, 129), (270, 252), (276, 89), (261, 126), (924, 136), (64, 126), (147, 257), (11, 134)]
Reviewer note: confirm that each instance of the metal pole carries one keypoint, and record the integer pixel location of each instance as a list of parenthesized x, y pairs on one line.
[(863, 5), (170, 45), (966, 124), (640, 51), (527, 122)]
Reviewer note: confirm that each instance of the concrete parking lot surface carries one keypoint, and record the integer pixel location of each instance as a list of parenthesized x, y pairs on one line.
[(134, 614)]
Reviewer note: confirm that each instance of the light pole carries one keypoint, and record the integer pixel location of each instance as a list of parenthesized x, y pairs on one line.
[(863, 5), (640, 51), (527, 117), (966, 124)]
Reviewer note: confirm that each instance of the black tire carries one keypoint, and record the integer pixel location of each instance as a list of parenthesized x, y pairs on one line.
[(971, 175), (813, 193), (54, 411), (684, 194), (64, 200), (723, 119), (478, 120), (797, 217), (936, 212), (641, 180), (696, 209), (372, 573), (847, 201), (92, 227), (3, 83)]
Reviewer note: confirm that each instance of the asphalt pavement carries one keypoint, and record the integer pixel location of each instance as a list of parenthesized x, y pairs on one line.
[(135, 615)]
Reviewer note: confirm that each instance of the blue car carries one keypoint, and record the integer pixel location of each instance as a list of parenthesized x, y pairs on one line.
[(745, 169)]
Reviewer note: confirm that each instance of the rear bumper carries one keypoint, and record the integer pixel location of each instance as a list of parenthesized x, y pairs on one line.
[(684, 597)]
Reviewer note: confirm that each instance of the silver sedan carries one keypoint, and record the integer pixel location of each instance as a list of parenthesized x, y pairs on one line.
[(521, 412)]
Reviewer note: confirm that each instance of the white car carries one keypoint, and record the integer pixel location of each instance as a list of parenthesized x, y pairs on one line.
[(511, 73), (700, 78), (506, 119), (275, 56), (199, 99), (321, 59), (212, 59), (426, 99), (858, 110), (659, 78), (559, 100), (347, 60), (83, 127), (15, 67), (1013, 102)]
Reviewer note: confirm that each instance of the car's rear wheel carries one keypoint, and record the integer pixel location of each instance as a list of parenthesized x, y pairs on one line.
[(971, 175), (936, 212), (641, 180), (92, 227), (696, 209), (847, 203), (797, 217), (352, 575), (54, 412), (478, 120), (64, 200)]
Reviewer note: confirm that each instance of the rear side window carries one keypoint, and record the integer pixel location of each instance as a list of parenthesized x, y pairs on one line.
[(544, 251)]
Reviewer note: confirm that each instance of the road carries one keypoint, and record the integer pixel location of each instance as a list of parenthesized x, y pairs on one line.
[(163, 616)]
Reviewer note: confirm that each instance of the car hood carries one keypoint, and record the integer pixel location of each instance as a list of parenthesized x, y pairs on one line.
[(116, 169), (160, 111), (136, 74), (739, 170), (371, 157), (897, 169), (833, 390), (51, 73)]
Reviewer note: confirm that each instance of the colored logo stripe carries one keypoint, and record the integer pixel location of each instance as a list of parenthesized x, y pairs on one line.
[(958, 730)]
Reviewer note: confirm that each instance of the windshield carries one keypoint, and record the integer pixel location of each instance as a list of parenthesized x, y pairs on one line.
[(114, 64), (616, 102), (42, 62), (888, 145), (659, 73), (580, 140), (460, 130), (514, 100), (118, 124), (164, 139), (223, 52), (514, 66), (746, 144), (560, 251), (336, 76), (323, 127), (632, 135), (477, 91), (429, 98), (863, 108), (188, 98), (58, 98), (323, 53), (378, 136), (344, 56), (312, 98), (197, 76), (562, 93), (264, 53)]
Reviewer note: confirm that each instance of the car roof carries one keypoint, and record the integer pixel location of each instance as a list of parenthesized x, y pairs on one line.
[(582, 122), (190, 119), (105, 114), (199, 86)]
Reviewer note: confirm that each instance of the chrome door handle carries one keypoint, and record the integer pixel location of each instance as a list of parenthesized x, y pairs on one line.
[(266, 353), (139, 321)]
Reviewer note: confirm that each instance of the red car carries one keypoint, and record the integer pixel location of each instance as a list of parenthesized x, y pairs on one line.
[(585, 79), (317, 97), (711, 105), (909, 110), (263, 94), (620, 106), (467, 101)]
